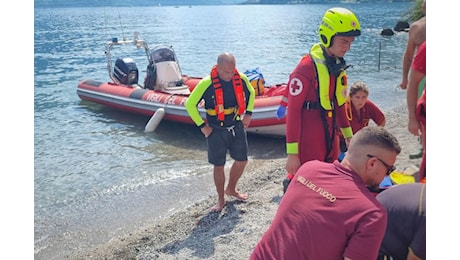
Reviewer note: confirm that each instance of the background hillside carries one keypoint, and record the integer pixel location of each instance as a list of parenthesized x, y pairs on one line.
[(95, 3), (89, 3)]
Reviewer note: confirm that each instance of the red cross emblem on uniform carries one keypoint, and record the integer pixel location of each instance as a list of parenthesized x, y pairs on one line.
[(295, 87)]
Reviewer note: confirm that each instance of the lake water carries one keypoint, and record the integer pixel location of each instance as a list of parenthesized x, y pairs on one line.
[(97, 174)]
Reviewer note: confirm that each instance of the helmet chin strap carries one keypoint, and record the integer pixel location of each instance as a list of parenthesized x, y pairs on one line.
[(336, 65)]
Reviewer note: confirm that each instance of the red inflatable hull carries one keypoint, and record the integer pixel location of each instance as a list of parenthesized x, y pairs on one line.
[(138, 100)]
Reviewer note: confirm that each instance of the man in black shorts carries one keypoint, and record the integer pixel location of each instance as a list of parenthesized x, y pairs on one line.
[(229, 100)]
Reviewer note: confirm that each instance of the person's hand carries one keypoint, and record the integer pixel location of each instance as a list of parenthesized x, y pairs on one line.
[(206, 130), (281, 112), (414, 127), (403, 84), (246, 120), (347, 142), (292, 163)]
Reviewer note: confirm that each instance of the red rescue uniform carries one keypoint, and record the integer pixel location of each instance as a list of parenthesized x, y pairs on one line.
[(311, 130)]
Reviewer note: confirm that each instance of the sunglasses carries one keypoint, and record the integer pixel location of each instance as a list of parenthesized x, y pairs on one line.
[(390, 168)]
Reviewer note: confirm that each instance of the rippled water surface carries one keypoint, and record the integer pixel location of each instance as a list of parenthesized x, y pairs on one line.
[(96, 173)]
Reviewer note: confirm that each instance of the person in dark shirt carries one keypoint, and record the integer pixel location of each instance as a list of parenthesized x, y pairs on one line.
[(229, 100), (405, 236)]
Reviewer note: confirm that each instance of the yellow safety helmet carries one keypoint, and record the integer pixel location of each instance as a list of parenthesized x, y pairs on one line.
[(338, 22)]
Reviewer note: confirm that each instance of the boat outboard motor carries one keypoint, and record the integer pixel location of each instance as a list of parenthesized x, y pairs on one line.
[(125, 71)]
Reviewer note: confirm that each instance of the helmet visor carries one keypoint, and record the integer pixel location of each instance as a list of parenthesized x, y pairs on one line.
[(350, 33)]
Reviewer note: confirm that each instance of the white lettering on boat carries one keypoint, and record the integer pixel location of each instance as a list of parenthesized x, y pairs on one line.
[(319, 190), (171, 100), (153, 97)]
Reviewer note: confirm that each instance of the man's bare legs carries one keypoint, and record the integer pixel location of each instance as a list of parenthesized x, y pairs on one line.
[(235, 173), (219, 180)]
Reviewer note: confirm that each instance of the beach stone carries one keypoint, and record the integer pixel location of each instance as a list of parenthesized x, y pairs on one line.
[(401, 26), (387, 32)]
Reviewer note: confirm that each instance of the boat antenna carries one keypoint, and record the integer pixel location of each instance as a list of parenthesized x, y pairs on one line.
[(119, 19), (121, 24)]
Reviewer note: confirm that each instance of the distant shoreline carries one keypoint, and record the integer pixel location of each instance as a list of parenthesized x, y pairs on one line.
[(179, 3)]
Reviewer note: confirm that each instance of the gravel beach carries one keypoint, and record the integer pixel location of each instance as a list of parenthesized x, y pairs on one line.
[(195, 233)]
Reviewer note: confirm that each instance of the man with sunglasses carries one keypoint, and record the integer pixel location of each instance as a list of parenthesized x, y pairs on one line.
[(390, 168), (328, 212)]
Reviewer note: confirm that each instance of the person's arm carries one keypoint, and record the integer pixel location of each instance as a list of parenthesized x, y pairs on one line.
[(298, 87), (249, 101), (252, 94), (343, 120), (368, 234), (417, 247), (375, 113), (408, 57), (412, 256), (191, 104), (412, 96), (417, 73)]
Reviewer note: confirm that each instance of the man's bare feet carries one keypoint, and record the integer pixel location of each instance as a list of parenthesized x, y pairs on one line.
[(218, 207), (240, 196)]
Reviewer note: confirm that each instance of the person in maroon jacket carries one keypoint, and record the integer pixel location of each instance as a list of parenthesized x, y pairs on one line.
[(360, 110), (328, 212), (317, 91)]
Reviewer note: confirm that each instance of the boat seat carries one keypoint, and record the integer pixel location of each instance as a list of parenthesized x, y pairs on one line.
[(169, 78)]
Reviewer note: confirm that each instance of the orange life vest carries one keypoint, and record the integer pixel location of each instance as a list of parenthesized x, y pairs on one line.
[(237, 87)]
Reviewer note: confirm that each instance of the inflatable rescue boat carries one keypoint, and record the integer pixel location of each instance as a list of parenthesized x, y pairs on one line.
[(165, 90)]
